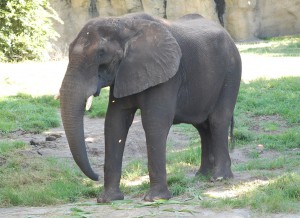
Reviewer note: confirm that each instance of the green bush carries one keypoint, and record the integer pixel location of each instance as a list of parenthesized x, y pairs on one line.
[(25, 29)]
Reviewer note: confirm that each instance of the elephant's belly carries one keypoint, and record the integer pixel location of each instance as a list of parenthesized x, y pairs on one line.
[(196, 108), (193, 116)]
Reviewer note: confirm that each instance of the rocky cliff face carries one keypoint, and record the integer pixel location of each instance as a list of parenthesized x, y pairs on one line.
[(251, 19), (244, 19)]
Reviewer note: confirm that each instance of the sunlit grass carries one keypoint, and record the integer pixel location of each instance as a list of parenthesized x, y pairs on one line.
[(23, 112), (277, 46), (36, 181), (280, 194)]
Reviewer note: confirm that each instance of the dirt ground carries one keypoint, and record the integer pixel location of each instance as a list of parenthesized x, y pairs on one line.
[(45, 78)]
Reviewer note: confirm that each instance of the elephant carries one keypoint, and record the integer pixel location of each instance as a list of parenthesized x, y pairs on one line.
[(182, 71)]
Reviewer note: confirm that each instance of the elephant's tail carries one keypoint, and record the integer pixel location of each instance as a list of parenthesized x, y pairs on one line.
[(231, 136)]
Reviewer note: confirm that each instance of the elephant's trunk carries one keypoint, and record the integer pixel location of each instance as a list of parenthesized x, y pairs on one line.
[(73, 99)]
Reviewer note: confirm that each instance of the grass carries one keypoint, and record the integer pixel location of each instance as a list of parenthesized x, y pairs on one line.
[(30, 180), (281, 194), (275, 47), (280, 162), (276, 99), (23, 112)]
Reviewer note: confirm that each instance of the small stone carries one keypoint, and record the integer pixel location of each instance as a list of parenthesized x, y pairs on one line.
[(50, 138), (56, 135), (34, 142)]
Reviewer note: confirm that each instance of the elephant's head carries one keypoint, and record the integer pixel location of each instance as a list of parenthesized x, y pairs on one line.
[(130, 54)]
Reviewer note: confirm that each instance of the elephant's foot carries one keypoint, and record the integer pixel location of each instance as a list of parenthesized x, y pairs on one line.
[(157, 193), (205, 171), (221, 173), (108, 196)]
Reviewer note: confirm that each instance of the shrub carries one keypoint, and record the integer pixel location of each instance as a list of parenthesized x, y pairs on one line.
[(25, 29)]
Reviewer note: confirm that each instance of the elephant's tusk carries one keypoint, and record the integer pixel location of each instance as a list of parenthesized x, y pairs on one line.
[(89, 102)]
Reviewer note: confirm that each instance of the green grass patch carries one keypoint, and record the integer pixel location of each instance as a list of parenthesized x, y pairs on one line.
[(178, 182), (275, 47), (282, 194), (30, 180), (262, 164), (287, 161), (189, 155), (134, 170), (24, 112), (271, 97), (287, 140), (77, 212), (270, 126), (9, 146), (277, 98)]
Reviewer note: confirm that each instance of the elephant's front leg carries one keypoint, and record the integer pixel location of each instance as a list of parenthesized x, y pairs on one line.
[(156, 128), (117, 124)]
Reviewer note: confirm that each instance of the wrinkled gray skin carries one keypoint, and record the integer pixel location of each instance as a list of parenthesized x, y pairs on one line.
[(186, 71)]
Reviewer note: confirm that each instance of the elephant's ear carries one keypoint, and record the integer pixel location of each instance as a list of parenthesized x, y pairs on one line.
[(151, 56)]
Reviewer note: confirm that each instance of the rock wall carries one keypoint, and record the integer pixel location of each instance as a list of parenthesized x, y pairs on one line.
[(252, 19), (244, 19), (278, 18)]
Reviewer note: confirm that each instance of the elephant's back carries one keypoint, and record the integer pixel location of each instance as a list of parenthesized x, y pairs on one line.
[(196, 30), (202, 40)]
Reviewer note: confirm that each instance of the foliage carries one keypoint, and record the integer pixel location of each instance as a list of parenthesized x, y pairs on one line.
[(27, 113), (25, 29)]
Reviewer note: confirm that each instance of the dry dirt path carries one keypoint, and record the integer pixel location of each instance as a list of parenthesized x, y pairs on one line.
[(45, 78)]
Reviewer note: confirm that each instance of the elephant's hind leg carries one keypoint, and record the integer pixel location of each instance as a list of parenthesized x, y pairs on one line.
[(219, 121), (222, 162), (207, 158)]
